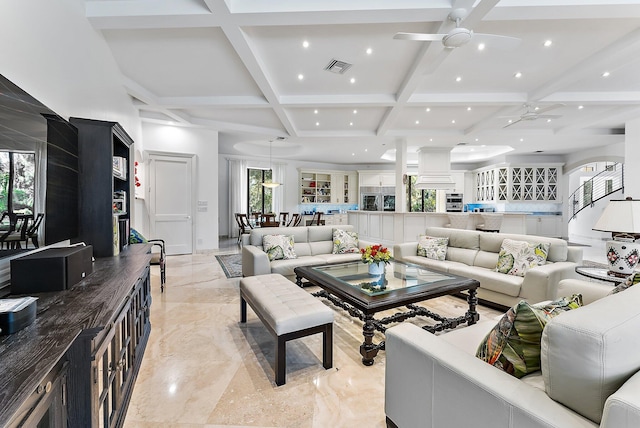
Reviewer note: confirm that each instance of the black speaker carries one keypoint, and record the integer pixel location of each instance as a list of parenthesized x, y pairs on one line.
[(52, 269)]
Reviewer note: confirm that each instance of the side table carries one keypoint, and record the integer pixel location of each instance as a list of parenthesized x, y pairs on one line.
[(601, 274)]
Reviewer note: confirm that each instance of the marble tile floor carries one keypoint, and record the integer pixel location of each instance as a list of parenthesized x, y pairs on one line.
[(202, 368)]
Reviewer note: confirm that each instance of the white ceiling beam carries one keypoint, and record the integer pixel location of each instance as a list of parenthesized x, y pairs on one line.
[(247, 101), (241, 127), (600, 97), (471, 98), (374, 100)]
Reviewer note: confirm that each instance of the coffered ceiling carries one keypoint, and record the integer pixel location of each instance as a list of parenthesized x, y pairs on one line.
[(255, 71)]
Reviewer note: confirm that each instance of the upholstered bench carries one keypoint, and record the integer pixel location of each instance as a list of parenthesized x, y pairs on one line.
[(289, 313)]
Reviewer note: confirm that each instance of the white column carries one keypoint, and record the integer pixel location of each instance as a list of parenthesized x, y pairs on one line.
[(401, 170), (632, 158)]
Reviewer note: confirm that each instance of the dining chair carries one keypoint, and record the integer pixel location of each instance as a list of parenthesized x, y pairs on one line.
[(298, 220), (293, 219), (244, 226), (268, 220), (256, 217), (317, 219), (32, 231), (282, 218), (18, 225)]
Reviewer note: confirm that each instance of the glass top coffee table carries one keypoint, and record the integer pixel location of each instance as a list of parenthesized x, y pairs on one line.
[(351, 287)]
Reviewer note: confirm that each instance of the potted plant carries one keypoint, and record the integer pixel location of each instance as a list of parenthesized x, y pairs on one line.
[(376, 256)]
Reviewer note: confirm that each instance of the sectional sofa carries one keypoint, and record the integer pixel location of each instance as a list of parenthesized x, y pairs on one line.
[(474, 254), (312, 245), (590, 357)]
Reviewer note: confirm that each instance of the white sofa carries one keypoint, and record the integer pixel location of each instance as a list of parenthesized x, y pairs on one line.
[(313, 245), (590, 359), (474, 254)]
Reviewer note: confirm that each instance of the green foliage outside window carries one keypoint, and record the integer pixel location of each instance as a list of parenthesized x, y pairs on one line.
[(23, 191), (260, 197), (420, 200)]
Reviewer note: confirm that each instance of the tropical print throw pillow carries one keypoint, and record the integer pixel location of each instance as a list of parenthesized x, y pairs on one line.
[(517, 257), (278, 247), (432, 248), (345, 242), (632, 279), (514, 343)]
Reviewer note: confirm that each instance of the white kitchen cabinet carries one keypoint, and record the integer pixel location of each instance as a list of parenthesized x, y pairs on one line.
[(518, 183), (337, 188), (544, 225), (377, 179)]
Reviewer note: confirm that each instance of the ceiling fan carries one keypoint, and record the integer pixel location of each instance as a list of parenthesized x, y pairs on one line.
[(458, 36), (534, 114)]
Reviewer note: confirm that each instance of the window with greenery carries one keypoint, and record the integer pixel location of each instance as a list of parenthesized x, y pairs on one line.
[(17, 182), (260, 197), (420, 200)]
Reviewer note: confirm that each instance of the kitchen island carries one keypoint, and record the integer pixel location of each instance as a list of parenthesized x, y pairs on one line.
[(388, 228)]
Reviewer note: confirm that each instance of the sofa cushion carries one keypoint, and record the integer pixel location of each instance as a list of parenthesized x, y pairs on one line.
[(345, 242), (321, 247), (558, 248), (338, 258), (442, 266), (299, 234), (432, 248), (278, 247), (517, 257), (285, 267), (490, 279), (587, 354), (513, 345), (632, 279)]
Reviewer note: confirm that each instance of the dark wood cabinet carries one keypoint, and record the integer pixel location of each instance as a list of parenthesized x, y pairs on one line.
[(104, 152), (84, 349)]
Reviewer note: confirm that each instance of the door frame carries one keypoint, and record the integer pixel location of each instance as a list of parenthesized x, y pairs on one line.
[(148, 154)]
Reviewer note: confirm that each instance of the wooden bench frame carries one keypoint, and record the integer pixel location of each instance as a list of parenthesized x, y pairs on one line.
[(281, 346)]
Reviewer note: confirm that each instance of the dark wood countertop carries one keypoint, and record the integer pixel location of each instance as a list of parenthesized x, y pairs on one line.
[(28, 355)]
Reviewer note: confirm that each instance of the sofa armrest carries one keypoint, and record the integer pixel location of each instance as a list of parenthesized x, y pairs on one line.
[(541, 283), (590, 290), (400, 251), (574, 254), (622, 408), (254, 261), (424, 375)]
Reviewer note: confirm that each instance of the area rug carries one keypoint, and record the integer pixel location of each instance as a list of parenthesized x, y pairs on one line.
[(231, 264)]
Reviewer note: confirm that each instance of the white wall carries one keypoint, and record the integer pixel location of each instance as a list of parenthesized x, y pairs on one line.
[(204, 144), (50, 50)]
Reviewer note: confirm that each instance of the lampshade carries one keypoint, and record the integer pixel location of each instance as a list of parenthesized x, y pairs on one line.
[(620, 216), (271, 184)]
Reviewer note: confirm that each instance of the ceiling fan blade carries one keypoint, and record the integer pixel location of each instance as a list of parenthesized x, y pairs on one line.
[(548, 116), (549, 108), (497, 41), (420, 37), (512, 123)]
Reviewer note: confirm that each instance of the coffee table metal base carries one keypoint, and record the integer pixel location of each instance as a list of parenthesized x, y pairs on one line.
[(369, 350)]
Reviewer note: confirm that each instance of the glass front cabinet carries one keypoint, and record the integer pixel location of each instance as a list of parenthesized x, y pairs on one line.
[(518, 183)]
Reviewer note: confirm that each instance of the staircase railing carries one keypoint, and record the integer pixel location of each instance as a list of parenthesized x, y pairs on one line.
[(597, 187)]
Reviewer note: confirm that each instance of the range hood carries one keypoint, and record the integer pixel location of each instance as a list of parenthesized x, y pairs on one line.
[(434, 169)]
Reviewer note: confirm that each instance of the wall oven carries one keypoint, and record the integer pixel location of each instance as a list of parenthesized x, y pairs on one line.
[(388, 202), (370, 202), (454, 202)]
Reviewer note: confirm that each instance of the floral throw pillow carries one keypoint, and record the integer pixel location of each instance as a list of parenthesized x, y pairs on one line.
[(514, 343), (278, 247), (517, 257), (632, 279), (432, 248), (345, 242)]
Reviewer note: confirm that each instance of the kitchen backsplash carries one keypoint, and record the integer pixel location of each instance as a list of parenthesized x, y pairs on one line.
[(326, 208)]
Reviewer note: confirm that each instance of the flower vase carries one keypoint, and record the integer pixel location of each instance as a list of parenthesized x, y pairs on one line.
[(376, 268)]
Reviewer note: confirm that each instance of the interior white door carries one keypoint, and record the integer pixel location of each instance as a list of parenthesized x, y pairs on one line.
[(171, 201)]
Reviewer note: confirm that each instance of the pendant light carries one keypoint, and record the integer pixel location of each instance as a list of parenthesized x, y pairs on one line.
[(271, 184)]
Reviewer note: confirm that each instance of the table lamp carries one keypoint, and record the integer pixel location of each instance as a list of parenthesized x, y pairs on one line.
[(622, 219)]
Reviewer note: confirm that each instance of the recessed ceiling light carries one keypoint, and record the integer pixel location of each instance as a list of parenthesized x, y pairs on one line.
[(317, 123), (353, 154), (430, 139), (427, 109), (315, 111), (510, 121), (484, 145), (481, 46), (468, 108), (453, 121), (547, 43), (369, 51), (417, 122), (355, 112), (353, 80), (366, 150), (477, 139), (458, 79), (580, 107), (300, 76), (548, 120), (472, 149), (350, 123), (305, 44), (521, 140), (517, 75), (606, 74)]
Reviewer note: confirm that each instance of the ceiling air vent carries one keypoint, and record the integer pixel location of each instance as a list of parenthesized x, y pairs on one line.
[(338, 67)]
